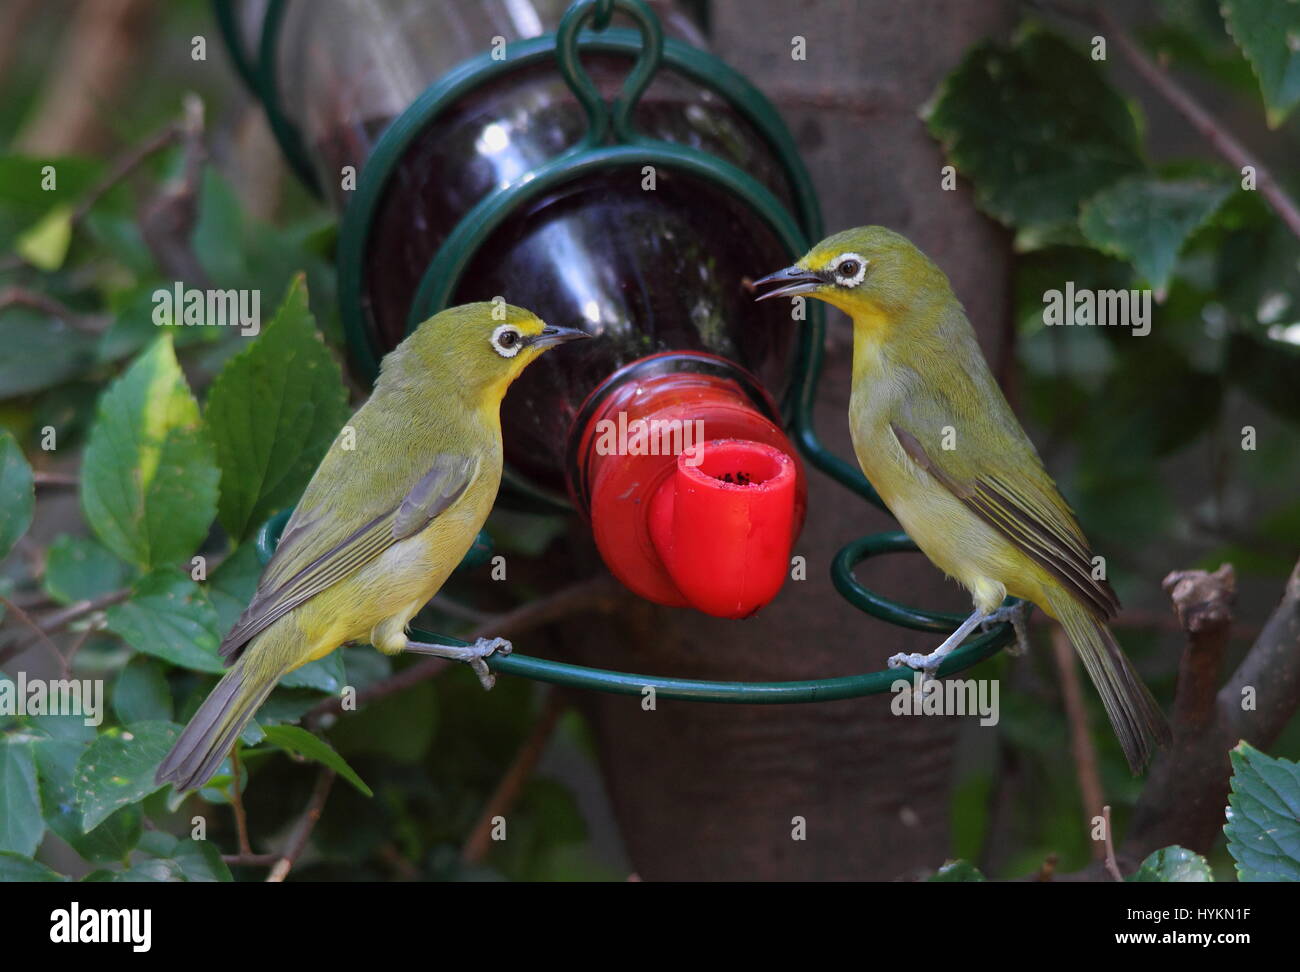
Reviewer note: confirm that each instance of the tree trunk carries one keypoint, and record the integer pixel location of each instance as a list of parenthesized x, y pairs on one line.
[(714, 791)]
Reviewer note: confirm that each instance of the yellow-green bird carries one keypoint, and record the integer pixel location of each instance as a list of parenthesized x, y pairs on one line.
[(391, 510), (938, 441)]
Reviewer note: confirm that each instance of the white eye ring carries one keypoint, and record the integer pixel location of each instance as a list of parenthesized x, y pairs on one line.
[(503, 334), (856, 277)]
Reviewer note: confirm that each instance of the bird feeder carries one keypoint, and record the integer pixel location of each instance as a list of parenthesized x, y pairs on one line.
[(606, 174)]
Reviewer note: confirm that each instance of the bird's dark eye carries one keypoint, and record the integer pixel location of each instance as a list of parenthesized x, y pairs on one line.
[(848, 269), (506, 341)]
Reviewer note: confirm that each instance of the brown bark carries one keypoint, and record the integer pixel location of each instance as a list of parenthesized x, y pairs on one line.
[(1187, 787), (711, 791), (93, 62)]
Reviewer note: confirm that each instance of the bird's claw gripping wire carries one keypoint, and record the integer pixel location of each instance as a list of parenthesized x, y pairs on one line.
[(472, 655), (928, 665), (1017, 615)]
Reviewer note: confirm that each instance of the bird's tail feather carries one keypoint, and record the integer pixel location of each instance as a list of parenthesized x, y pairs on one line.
[(215, 726), (1136, 718)]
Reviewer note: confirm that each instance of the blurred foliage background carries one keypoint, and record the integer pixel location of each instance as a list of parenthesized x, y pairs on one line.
[(1097, 185)]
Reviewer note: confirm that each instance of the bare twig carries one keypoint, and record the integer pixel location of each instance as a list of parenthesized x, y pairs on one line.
[(1112, 865), (1209, 127), (251, 860), (599, 594), (77, 644), (460, 612), (126, 164), (521, 769), (167, 221), (302, 829), (59, 619), (22, 297), (237, 803), (41, 637), (1085, 754), (1203, 603), (1187, 787), (54, 479)]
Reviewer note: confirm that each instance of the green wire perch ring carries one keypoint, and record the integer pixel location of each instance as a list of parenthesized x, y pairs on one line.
[(593, 152), (705, 690)]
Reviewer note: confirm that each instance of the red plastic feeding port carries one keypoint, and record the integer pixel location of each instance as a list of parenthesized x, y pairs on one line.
[(723, 525), (694, 494)]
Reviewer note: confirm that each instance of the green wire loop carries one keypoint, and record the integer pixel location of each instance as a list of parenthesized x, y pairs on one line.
[(709, 690), (286, 133), (227, 23), (602, 14), (600, 118)]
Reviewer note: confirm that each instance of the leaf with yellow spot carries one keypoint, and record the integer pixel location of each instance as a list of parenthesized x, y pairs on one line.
[(117, 769), (149, 477)]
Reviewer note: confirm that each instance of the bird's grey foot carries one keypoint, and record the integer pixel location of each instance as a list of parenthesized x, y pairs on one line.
[(472, 655), (1018, 616), (929, 664)]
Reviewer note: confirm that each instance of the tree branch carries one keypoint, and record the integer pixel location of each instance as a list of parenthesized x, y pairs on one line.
[(237, 803), (508, 790), (59, 619), (1209, 127), (22, 297), (1187, 786), (1085, 753), (40, 638), (302, 829)]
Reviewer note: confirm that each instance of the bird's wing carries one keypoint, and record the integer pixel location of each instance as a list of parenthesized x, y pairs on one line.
[(1011, 491), (305, 563)]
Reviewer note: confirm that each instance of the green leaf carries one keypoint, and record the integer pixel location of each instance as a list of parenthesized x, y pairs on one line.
[(149, 479), (1146, 220), (1268, 33), (26, 193), (118, 768), (957, 871), (45, 245), (19, 868), (1263, 827), (401, 729), (40, 351), (79, 569), (169, 616), (273, 411), (189, 860), (1037, 128), (17, 495), (141, 693), (16, 868), (21, 824), (148, 869), (56, 766), (295, 740), (1176, 864), (324, 675)]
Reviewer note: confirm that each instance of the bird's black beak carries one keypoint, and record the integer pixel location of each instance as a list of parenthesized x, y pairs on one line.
[(552, 336), (796, 281)]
